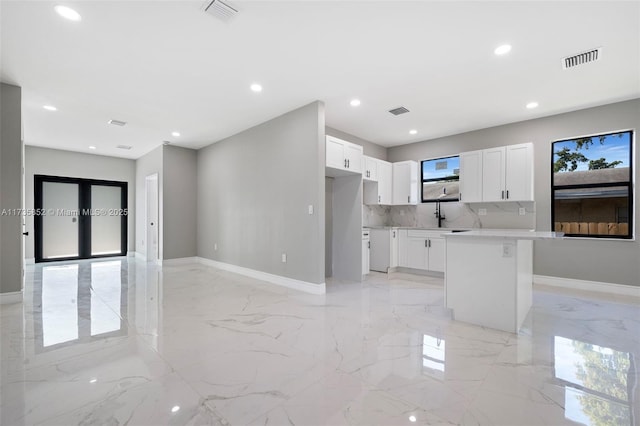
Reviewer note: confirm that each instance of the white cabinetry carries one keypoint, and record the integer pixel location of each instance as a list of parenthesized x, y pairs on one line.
[(370, 168), (405, 183), (366, 251), (384, 249), (471, 176), (342, 157), (497, 174), (421, 249), (379, 192)]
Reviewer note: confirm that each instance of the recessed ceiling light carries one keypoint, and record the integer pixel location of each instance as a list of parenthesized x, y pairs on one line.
[(50, 108), (502, 50), (92, 147), (175, 409), (175, 134), (413, 132), (355, 102), (532, 105), (68, 13), (256, 87)]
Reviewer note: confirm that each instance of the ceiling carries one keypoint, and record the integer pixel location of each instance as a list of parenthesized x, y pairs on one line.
[(166, 66)]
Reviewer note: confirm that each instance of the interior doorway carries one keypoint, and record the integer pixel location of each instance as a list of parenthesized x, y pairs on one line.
[(79, 218), (151, 217)]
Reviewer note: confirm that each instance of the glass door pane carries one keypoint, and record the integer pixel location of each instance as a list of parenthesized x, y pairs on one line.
[(106, 220), (60, 224)]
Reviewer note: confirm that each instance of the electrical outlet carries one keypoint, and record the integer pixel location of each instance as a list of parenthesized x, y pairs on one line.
[(284, 257), (215, 246), (482, 212), (522, 211), (310, 208), (506, 250)]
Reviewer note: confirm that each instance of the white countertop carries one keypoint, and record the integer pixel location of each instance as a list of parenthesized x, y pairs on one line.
[(515, 234)]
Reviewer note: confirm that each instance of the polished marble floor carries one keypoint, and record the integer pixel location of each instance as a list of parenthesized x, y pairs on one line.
[(120, 342)]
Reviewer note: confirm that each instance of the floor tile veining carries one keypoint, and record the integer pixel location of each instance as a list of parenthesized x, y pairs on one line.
[(119, 342)]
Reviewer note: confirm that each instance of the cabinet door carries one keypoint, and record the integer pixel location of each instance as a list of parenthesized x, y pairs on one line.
[(493, 174), (393, 243), (370, 170), (519, 172), (417, 252), (436, 254), (335, 153), (353, 155), (471, 176), (403, 242), (365, 257), (405, 183), (385, 185)]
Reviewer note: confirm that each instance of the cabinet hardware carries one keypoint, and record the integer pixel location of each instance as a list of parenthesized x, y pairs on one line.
[(369, 244), (408, 198), (348, 167), (345, 163), (460, 197), (426, 243), (502, 195), (378, 198), (507, 194), (394, 234)]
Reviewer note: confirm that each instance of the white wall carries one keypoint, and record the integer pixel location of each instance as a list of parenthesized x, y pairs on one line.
[(254, 190), (11, 239), (53, 162)]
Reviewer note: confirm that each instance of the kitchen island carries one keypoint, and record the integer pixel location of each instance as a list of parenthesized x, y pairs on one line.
[(489, 276)]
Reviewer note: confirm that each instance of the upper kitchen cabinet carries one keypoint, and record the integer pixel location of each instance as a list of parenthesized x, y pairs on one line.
[(370, 168), (405, 183), (343, 158), (471, 176), (378, 192), (497, 174)]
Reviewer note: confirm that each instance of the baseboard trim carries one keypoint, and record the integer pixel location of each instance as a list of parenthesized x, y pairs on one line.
[(294, 284), (595, 286), (30, 261), (140, 256), (12, 297), (179, 261), (131, 253)]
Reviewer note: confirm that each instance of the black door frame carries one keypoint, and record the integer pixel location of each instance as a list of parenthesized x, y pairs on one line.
[(84, 218)]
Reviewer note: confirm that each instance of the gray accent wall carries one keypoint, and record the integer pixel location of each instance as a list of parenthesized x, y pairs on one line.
[(147, 165), (254, 190), (370, 149), (55, 162), (179, 167), (11, 239), (578, 258)]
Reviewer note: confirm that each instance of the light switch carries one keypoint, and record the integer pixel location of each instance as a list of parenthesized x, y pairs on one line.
[(482, 212), (310, 208), (284, 257), (522, 211)]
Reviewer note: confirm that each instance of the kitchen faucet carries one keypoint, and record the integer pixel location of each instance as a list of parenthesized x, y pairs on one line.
[(439, 214)]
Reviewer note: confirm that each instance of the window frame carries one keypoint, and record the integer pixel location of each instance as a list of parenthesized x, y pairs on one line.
[(422, 181), (629, 184)]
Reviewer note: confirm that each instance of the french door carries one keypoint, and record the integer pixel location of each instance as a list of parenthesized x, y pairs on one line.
[(79, 218)]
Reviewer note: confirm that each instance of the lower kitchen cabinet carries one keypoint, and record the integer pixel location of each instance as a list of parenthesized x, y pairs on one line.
[(384, 249), (421, 249)]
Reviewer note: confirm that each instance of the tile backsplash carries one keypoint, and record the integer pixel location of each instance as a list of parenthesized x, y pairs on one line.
[(457, 215)]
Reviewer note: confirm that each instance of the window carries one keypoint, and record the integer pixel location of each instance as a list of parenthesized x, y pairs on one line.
[(441, 179), (591, 186)]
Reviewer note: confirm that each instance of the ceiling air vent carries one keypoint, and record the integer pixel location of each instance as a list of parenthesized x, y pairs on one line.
[(582, 58), (117, 122), (220, 9), (124, 147), (399, 110)]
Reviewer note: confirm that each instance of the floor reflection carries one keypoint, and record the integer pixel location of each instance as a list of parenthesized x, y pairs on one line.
[(79, 302), (597, 380), (433, 356)]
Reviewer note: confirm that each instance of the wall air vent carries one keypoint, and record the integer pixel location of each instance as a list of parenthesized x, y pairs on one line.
[(117, 122), (398, 111), (127, 147), (221, 10), (582, 58)]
